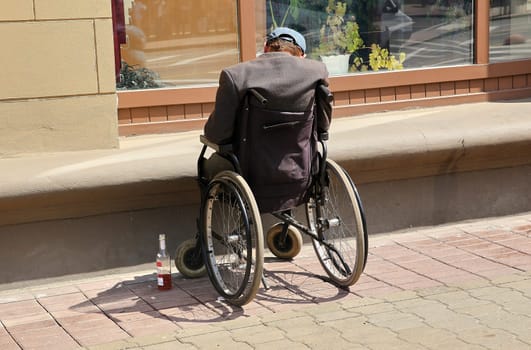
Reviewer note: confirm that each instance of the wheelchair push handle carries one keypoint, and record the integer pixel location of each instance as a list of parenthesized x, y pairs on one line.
[(258, 96), (324, 97), (324, 93), (223, 148)]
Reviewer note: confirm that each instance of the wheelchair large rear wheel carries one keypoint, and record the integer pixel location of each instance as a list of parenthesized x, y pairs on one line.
[(233, 242), (335, 214)]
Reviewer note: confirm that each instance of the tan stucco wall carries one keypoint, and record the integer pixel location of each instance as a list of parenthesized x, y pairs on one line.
[(58, 91)]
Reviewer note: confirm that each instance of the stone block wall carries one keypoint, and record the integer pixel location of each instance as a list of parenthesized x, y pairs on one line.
[(58, 91)]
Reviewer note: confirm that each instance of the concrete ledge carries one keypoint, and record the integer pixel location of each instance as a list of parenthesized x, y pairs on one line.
[(146, 172), (158, 171), (85, 211), (427, 142)]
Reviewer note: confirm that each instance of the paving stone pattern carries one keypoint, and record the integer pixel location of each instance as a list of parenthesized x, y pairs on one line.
[(459, 286)]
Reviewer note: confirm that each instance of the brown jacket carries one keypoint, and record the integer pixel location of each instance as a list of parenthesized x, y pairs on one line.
[(277, 147), (287, 82)]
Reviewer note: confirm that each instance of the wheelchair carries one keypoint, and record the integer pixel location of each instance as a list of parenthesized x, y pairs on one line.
[(229, 244)]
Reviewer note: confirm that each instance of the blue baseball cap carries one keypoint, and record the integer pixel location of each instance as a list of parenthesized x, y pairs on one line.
[(290, 35)]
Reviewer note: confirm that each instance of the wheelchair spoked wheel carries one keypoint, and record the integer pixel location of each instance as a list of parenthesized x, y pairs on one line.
[(335, 214), (233, 243), (188, 259), (284, 247)]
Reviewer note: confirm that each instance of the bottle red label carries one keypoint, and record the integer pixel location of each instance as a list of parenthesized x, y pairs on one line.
[(164, 282)]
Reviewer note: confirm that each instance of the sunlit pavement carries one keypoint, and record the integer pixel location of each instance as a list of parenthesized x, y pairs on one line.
[(465, 285)]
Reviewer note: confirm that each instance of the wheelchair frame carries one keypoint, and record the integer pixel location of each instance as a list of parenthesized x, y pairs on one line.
[(238, 276)]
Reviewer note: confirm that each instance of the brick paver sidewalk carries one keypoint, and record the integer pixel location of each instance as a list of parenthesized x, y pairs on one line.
[(460, 286)]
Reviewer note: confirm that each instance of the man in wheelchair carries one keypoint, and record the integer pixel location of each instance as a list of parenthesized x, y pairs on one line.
[(267, 109), (270, 115)]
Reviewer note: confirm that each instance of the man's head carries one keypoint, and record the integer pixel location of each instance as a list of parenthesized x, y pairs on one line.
[(286, 39)]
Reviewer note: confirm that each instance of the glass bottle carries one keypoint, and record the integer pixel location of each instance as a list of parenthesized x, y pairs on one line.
[(163, 265)]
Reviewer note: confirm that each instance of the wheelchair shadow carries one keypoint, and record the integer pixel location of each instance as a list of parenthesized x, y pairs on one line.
[(291, 284), (134, 303)]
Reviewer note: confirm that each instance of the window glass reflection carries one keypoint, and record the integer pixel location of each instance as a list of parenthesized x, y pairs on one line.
[(395, 34), (177, 42), (510, 30)]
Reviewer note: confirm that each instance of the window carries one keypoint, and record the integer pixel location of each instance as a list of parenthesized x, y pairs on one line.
[(395, 34), (510, 30), (175, 43)]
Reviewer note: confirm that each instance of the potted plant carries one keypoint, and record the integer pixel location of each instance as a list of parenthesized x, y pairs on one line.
[(342, 41), (135, 77), (339, 38), (379, 58)]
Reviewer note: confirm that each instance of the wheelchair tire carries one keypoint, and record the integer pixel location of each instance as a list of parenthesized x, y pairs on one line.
[(335, 214), (363, 220), (284, 248), (232, 238), (188, 260)]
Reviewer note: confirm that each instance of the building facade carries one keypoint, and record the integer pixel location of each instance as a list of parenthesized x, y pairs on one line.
[(81, 73), (452, 51), (58, 91)]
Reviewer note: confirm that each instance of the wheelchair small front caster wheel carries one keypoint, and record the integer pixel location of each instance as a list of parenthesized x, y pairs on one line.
[(284, 246), (188, 259)]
